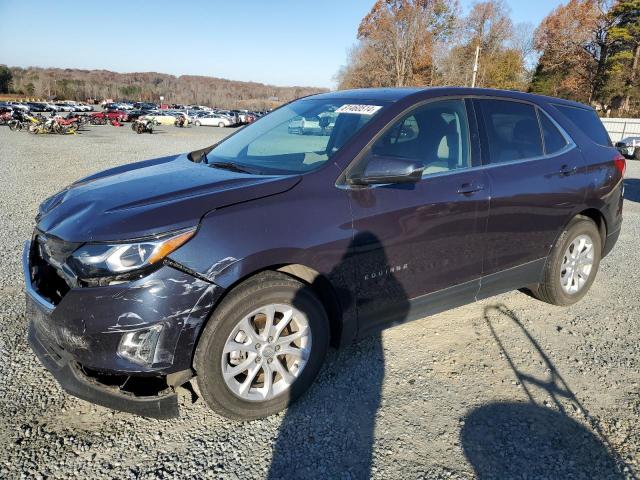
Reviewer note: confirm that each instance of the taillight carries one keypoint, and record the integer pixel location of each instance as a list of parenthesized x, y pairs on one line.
[(620, 163)]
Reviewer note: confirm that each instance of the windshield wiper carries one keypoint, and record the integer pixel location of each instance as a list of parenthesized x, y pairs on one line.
[(233, 167)]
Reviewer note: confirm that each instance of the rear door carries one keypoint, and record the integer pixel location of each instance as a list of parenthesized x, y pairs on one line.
[(537, 178), (424, 238)]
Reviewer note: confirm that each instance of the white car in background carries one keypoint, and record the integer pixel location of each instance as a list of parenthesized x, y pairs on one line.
[(629, 147), (212, 120), (20, 106), (65, 107), (84, 107), (163, 118)]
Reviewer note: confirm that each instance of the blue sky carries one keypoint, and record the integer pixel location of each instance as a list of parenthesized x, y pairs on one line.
[(282, 42)]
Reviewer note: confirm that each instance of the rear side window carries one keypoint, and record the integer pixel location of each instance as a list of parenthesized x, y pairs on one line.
[(587, 120), (554, 141), (512, 130)]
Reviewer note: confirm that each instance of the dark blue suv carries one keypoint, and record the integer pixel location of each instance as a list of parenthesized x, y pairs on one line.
[(239, 264)]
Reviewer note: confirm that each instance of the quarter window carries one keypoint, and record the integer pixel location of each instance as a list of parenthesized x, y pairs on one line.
[(512, 130), (554, 141), (587, 120), (436, 134)]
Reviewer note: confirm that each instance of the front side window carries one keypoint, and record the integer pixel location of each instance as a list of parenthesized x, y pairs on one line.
[(435, 134), (512, 130), (297, 138)]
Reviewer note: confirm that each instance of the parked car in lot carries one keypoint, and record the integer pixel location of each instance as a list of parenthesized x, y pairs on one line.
[(241, 262), (317, 125), (21, 106), (232, 116), (162, 118), (629, 147), (84, 107), (65, 107), (212, 120), (145, 106), (134, 114), (38, 107), (111, 115)]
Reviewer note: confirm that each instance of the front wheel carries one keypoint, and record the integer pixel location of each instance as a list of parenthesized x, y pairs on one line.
[(636, 154), (262, 348), (197, 123), (573, 264), (221, 125)]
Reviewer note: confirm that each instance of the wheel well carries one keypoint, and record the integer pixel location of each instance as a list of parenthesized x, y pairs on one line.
[(599, 220), (323, 288)]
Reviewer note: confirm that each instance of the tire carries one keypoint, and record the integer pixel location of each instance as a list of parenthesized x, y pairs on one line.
[(221, 125), (267, 288), (636, 154), (550, 290), (197, 123)]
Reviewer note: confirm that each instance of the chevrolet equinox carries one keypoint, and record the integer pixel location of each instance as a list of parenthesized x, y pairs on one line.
[(239, 264)]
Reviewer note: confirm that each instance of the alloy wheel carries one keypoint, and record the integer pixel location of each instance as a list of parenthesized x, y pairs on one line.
[(266, 352), (577, 264)]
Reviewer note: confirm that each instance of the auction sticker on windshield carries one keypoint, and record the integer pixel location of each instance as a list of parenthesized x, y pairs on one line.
[(359, 109)]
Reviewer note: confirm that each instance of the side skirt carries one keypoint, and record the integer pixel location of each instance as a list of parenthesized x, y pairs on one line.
[(433, 303)]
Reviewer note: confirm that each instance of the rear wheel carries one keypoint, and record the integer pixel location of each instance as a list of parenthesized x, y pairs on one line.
[(221, 125), (262, 347), (573, 264), (197, 123), (636, 153)]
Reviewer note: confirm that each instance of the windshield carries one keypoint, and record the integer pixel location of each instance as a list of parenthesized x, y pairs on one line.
[(297, 138)]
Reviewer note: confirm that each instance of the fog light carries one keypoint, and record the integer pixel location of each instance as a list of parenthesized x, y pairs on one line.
[(140, 346)]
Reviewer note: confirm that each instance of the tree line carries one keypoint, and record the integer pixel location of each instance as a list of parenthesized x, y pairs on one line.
[(584, 50), (76, 84)]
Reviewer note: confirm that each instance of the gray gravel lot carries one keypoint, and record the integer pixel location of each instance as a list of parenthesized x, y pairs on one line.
[(505, 388)]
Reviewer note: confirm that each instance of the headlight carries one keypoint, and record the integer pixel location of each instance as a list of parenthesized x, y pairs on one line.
[(95, 260)]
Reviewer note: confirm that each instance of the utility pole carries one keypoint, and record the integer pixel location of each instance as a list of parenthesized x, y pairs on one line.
[(475, 67)]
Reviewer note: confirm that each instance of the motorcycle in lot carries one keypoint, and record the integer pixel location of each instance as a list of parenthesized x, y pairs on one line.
[(97, 120), (22, 121), (53, 125), (181, 121), (143, 125)]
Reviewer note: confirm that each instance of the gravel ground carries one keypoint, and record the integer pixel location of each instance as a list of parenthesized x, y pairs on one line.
[(504, 388)]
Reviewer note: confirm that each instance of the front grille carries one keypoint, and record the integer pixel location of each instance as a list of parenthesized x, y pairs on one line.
[(46, 260)]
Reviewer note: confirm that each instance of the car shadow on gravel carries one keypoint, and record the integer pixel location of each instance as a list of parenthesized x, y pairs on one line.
[(632, 189), (329, 432), (524, 439)]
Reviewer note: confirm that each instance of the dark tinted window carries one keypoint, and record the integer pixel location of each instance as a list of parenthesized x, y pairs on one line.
[(512, 130), (554, 141), (587, 120), (436, 134)]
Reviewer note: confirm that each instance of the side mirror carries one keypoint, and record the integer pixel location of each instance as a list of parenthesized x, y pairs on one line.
[(382, 170)]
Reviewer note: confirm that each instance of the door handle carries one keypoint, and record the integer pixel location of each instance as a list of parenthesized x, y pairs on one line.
[(470, 188), (566, 170)]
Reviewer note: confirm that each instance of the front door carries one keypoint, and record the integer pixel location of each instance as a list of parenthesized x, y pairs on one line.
[(418, 247)]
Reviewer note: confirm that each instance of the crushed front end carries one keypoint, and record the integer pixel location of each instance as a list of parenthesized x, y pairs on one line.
[(121, 343)]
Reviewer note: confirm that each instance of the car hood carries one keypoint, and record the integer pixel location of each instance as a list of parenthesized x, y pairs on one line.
[(149, 197)]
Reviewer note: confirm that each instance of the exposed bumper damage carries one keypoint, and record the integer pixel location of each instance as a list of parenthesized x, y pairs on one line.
[(70, 376), (77, 339)]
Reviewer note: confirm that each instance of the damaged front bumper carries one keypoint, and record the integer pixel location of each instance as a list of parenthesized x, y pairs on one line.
[(69, 374), (77, 339)]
